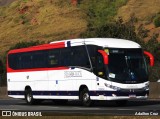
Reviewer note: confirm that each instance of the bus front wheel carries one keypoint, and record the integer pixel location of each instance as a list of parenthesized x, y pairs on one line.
[(29, 97), (85, 97)]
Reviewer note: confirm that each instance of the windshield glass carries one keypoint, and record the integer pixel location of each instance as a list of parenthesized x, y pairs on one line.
[(126, 65)]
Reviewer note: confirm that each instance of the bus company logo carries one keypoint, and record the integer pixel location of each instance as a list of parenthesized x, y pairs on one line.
[(72, 74), (6, 113)]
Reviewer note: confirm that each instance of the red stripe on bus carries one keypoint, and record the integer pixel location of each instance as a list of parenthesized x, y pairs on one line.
[(39, 47), (9, 70)]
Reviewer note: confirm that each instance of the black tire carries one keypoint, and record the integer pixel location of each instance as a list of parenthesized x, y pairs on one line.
[(60, 102), (121, 102), (85, 98), (29, 97)]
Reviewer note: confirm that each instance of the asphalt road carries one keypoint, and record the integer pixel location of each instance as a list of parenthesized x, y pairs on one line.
[(147, 107)]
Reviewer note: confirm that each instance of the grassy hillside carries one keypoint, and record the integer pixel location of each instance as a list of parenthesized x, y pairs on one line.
[(101, 12), (144, 12), (44, 20), (49, 20), (5, 2)]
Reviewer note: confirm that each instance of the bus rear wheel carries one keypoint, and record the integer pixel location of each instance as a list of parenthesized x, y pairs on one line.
[(85, 97)]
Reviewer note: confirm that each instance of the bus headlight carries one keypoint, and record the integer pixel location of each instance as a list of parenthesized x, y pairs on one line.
[(112, 87), (146, 87)]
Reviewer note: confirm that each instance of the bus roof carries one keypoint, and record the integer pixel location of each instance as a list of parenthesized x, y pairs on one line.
[(104, 42), (114, 43)]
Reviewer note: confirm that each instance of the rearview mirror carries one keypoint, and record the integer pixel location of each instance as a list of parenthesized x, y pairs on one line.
[(151, 58), (105, 56)]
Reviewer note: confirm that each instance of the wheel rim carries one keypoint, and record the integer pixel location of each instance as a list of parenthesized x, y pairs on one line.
[(29, 97), (86, 97)]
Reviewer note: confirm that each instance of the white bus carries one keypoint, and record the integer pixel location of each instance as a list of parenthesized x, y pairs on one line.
[(79, 69)]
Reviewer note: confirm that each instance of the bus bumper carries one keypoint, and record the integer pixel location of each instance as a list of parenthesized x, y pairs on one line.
[(119, 95), (102, 97)]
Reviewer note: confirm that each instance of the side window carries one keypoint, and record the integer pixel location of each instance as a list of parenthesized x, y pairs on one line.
[(25, 61), (92, 50), (13, 61), (65, 59), (100, 69), (79, 57), (54, 58), (39, 59), (20, 61)]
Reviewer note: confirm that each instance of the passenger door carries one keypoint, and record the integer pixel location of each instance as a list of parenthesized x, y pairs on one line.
[(100, 71)]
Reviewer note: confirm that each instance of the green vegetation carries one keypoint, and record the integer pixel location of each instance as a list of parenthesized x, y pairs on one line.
[(100, 12), (157, 20), (26, 44), (113, 30), (153, 46)]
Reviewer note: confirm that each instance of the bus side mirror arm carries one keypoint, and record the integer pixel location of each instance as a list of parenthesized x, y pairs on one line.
[(151, 57), (105, 56)]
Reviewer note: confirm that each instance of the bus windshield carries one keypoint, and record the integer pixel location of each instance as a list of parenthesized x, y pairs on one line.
[(127, 65)]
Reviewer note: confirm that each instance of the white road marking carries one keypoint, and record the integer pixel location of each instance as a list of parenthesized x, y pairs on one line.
[(125, 109)]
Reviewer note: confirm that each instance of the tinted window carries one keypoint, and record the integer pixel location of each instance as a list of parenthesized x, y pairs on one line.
[(39, 59), (25, 61), (127, 65), (13, 61), (100, 69), (54, 58), (66, 59), (79, 57), (92, 50), (28, 60), (71, 56)]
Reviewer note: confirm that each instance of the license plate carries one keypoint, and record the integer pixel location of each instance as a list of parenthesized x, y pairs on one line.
[(132, 96)]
